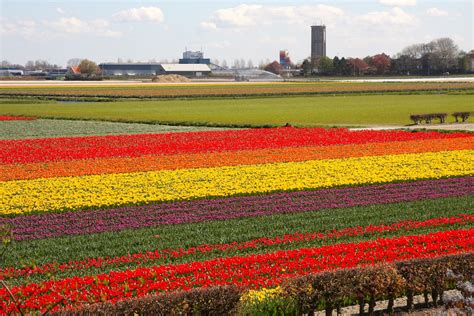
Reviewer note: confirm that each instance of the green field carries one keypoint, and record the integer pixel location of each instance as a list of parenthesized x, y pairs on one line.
[(337, 110), (64, 128)]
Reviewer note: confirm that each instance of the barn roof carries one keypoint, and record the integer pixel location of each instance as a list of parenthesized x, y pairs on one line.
[(185, 67)]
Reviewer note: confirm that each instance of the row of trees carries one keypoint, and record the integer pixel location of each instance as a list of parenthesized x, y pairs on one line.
[(439, 56), (30, 65), (39, 64), (379, 64)]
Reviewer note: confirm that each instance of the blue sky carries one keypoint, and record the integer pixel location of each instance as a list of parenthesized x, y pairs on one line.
[(226, 30)]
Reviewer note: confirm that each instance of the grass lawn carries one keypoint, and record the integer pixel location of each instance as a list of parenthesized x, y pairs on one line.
[(299, 111)]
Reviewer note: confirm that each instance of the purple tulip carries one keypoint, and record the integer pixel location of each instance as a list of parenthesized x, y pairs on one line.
[(47, 225)]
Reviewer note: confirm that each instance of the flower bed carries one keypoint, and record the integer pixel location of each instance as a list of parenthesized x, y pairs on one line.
[(119, 218)]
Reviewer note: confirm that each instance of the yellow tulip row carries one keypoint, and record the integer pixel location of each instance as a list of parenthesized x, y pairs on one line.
[(258, 296), (17, 197)]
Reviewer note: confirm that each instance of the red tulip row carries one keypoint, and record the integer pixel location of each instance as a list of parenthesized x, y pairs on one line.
[(254, 271), (227, 249), (16, 118), (73, 148)]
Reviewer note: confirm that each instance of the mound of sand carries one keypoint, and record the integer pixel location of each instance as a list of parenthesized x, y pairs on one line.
[(170, 78)]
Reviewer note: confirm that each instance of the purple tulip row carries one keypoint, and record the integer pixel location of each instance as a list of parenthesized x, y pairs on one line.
[(49, 225)]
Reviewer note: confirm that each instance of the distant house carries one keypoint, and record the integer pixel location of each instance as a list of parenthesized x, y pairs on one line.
[(8, 72), (152, 69), (129, 69), (56, 73)]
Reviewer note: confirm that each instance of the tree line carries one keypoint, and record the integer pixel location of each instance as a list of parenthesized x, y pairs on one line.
[(440, 56)]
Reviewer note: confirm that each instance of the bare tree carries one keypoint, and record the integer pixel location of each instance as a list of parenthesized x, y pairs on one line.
[(30, 65), (44, 65), (250, 63), (236, 64), (439, 55), (445, 53), (74, 62), (224, 64), (412, 51)]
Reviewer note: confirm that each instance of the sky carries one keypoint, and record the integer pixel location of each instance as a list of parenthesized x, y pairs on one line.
[(106, 30)]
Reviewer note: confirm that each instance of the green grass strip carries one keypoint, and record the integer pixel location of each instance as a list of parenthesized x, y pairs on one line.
[(339, 110)]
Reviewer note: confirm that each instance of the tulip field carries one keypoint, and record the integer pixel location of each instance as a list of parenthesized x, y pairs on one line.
[(222, 221)]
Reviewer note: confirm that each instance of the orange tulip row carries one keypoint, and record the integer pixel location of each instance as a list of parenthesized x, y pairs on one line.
[(10, 172)]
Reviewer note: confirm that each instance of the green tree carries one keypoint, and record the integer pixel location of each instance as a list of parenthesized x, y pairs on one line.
[(326, 66), (337, 65), (307, 67), (88, 68)]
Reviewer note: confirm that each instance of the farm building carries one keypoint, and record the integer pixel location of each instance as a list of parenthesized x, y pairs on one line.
[(129, 69), (187, 70), (190, 57), (151, 69), (7, 72)]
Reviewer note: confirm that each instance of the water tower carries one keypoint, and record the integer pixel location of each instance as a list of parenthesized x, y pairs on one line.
[(318, 41)]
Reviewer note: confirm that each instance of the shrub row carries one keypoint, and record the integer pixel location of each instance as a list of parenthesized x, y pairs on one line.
[(428, 118), (221, 300), (462, 115), (327, 290), (369, 284)]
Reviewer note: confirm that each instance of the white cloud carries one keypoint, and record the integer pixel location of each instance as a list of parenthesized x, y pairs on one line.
[(241, 15), (246, 15), (25, 28), (208, 25), (73, 25), (142, 14), (278, 39), (395, 16), (436, 12), (60, 11), (398, 3), (222, 44)]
